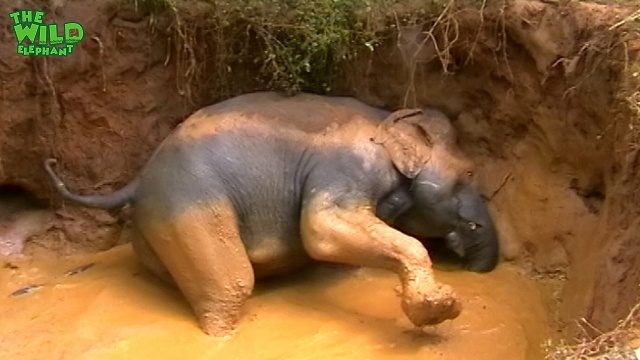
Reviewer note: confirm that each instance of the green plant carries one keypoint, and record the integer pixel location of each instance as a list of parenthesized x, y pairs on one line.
[(296, 45), (305, 41)]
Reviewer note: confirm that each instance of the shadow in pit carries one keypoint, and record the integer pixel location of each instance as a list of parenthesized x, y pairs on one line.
[(22, 216)]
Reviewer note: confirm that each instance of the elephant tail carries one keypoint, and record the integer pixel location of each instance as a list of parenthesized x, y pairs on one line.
[(109, 201)]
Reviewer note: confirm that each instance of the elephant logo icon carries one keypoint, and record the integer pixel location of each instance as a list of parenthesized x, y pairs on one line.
[(35, 38)]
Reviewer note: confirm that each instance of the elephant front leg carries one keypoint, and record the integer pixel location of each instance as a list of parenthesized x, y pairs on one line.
[(356, 236)]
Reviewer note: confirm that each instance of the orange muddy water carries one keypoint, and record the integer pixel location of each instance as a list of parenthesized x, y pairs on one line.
[(115, 310)]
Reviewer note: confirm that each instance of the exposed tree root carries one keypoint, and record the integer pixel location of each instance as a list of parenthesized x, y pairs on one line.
[(612, 345)]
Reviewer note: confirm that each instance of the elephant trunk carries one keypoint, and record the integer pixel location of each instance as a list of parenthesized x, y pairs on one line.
[(477, 231), (482, 256)]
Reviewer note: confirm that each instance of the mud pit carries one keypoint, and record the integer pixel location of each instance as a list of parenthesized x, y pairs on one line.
[(115, 310), (540, 94)]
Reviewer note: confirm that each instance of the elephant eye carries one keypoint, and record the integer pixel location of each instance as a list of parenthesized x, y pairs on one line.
[(473, 226), (469, 173)]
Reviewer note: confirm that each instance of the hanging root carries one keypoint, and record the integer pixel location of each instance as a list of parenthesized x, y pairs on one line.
[(104, 76), (442, 35)]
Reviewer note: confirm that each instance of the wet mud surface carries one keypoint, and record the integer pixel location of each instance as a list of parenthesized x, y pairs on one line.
[(534, 88), (104, 306)]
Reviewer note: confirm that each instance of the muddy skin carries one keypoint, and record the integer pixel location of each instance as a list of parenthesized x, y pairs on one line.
[(259, 184)]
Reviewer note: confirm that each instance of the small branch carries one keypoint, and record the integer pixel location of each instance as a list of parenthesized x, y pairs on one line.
[(582, 322), (633, 17), (479, 31)]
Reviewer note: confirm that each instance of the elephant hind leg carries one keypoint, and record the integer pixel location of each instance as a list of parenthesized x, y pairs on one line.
[(203, 252), (148, 257)]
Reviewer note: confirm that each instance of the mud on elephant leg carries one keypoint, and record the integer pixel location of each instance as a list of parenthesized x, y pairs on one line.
[(148, 257), (358, 237), (205, 256)]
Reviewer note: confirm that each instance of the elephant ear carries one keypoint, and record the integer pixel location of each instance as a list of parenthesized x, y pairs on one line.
[(405, 136), (439, 127)]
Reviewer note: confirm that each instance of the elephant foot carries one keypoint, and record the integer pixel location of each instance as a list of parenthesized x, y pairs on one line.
[(429, 303), (216, 325)]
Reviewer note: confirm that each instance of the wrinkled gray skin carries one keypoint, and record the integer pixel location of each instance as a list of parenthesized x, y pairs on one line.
[(279, 166), (458, 215)]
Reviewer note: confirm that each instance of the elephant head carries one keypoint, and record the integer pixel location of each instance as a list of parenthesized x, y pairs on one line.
[(442, 200)]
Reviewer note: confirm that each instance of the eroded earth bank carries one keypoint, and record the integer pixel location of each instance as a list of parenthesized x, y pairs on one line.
[(544, 96)]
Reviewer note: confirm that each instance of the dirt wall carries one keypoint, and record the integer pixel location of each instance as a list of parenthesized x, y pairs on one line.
[(529, 85), (536, 106)]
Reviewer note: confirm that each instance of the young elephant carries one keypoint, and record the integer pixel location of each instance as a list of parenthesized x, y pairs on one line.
[(260, 184)]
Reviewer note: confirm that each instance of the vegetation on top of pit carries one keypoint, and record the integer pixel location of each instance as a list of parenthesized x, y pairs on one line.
[(303, 45), (308, 45)]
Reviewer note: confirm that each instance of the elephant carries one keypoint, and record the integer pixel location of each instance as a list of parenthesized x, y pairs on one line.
[(263, 183)]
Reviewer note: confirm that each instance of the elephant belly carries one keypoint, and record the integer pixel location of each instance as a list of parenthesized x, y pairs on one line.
[(274, 255), (270, 231)]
